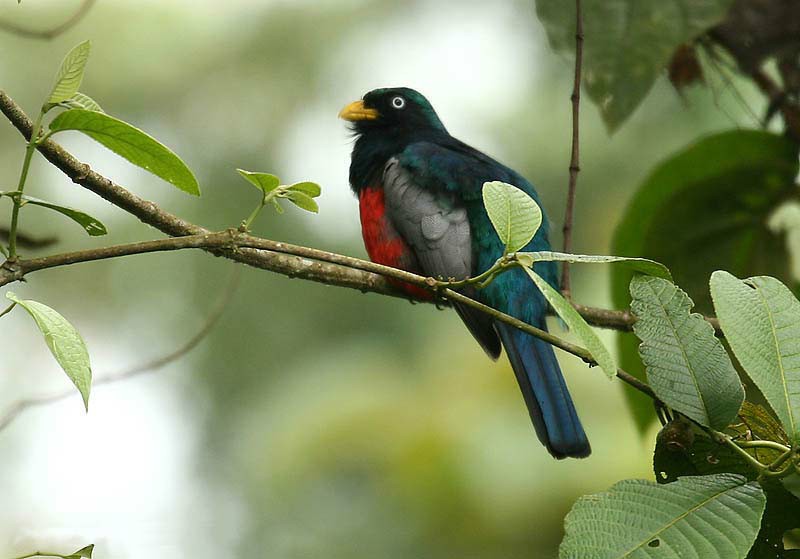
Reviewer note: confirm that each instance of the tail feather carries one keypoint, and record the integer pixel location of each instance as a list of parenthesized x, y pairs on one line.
[(546, 395)]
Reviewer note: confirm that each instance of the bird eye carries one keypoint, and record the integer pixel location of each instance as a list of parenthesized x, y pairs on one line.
[(398, 102)]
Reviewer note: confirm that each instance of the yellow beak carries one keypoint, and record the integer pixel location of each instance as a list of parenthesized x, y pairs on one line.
[(357, 111)]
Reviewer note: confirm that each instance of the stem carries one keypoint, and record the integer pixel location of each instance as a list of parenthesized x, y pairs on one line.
[(758, 466), (574, 164), (764, 444), (8, 309), (268, 197), (247, 222), (17, 200), (41, 554), (771, 471)]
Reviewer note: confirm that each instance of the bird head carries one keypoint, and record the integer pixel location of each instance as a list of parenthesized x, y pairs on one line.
[(398, 110)]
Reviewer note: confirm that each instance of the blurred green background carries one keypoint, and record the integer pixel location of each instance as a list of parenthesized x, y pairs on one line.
[(312, 421)]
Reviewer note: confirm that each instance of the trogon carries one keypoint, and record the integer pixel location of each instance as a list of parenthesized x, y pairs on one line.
[(419, 192)]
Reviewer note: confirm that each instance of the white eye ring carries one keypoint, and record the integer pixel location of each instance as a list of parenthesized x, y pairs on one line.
[(398, 102)]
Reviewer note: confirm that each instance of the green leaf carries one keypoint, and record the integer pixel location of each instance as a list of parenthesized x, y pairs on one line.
[(702, 517), (81, 101), (515, 216), (131, 143), (84, 552), (704, 209), (577, 324), (65, 343), (70, 74), (310, 188), (642, 265), (627, 45), (761, 321), (263, 181), (302, 200), (91, 225), (687, 367)]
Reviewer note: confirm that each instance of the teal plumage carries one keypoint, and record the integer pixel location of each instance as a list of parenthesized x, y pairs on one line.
[(422, 210)]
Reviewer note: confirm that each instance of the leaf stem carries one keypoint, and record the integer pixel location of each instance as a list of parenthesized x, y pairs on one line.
[(17, 199), (755, 464), (267, 198), (764, 444), (771, 469), (8, 309), (41, 554)]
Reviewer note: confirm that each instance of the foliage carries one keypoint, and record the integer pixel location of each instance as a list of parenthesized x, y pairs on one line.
[(131, 143), (514, 214), (698, 517), (628, 43), (64, 341), (761, 321), (744, 176), (716, 514), (679, 349)]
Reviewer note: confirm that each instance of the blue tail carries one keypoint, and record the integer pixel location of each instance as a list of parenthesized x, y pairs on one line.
[(545, 392)]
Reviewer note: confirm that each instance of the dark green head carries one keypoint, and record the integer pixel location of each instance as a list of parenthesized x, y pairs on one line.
[(385, 121), (393, 110)]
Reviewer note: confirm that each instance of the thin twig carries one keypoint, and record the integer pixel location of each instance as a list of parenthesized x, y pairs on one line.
[(53, 32), (150, 366), (574, 163)]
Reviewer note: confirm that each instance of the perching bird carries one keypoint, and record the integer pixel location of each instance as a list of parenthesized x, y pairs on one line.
[(419, 192)]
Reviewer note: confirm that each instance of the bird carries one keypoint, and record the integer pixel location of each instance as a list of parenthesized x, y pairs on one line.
[(420, 201)]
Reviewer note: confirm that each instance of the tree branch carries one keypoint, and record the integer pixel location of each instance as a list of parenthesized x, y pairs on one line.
[(282, 258), (290, 260), (574, 163), (53, 32)]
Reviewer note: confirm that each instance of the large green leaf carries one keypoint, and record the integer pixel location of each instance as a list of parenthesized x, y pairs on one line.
[(702, 517), (65, 343), (641, 265), (701, 210), (70, 74), (761, 320), (628, 43), (131, 143), (515, 216), (687, 367), (577, 324)]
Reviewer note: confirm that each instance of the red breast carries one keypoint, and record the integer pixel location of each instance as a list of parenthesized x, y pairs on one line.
[(382, 241)]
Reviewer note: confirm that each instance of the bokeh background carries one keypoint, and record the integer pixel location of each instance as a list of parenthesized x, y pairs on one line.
[(312, 421)]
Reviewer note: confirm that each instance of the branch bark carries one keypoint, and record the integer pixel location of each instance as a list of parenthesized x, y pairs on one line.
[(53, 32), (574, 163)]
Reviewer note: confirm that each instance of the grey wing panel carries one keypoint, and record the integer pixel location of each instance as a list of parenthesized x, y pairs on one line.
[(436, 228), (434, 224)]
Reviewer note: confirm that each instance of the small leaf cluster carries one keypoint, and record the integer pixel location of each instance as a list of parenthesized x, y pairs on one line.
[(301, 194), (83, 114)]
